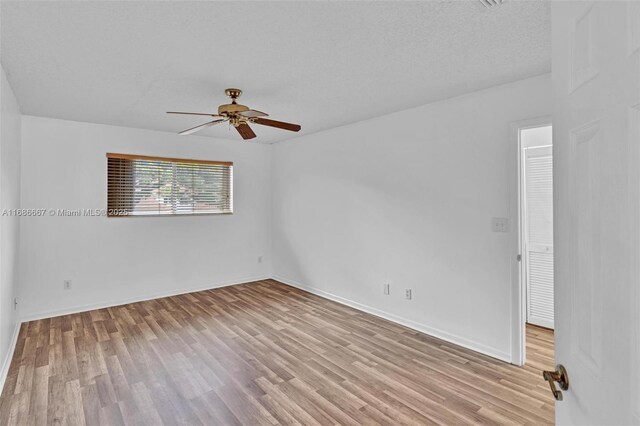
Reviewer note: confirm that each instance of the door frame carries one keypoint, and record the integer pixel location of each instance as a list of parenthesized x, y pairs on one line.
[(518, 280)]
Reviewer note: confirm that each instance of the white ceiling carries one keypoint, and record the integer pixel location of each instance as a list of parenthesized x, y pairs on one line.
[(320, 64)]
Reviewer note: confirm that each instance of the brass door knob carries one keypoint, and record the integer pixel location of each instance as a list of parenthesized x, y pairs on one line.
[(560, 376)]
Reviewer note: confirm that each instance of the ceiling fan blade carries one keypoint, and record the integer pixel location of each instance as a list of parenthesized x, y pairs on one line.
[(252, 113), (245, 131), (200, 127), (278, 124), (193, 113)]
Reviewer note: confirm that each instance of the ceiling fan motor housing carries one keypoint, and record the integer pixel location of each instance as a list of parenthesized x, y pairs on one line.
[(230, 109), (233, 107)]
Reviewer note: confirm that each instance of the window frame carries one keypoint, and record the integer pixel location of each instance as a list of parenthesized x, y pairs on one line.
[(172, 160)]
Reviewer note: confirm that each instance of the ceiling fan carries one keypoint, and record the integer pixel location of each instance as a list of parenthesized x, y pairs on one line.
[(239, 116)]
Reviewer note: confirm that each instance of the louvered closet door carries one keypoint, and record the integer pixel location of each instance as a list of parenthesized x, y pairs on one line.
[(539, 235)]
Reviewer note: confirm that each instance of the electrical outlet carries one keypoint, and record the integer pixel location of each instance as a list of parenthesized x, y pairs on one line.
[(499, 224), (259, 259), (67, 284), (407, 294), (386, 289)]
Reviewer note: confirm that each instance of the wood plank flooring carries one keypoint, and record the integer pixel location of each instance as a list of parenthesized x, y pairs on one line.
[(540, 345), (260, 353)]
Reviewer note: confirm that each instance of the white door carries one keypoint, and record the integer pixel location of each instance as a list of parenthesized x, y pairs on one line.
[(596, 134), (538, 234)]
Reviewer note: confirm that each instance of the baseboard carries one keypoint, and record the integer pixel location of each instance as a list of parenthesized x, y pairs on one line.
[(443, 335), (141, 298), (7, 359)]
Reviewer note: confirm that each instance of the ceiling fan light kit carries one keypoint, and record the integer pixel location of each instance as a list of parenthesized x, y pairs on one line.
[(239, 116)]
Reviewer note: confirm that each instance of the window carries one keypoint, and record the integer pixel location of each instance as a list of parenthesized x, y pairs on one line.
[(152, 186)]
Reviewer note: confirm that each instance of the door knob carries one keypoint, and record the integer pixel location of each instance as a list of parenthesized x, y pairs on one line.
[(560, 376)]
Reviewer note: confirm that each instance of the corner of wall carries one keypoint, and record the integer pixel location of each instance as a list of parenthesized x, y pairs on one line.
[(10, 153), (270, 169)]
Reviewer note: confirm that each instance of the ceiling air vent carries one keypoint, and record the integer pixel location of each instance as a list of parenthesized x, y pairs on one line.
[(491, 3)]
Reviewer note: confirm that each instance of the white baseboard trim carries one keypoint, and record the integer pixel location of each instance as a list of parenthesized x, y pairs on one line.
[(117, 302), (452, 338), (9, 356)]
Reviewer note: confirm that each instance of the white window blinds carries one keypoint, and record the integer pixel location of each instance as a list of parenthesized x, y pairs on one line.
[(147, 186)]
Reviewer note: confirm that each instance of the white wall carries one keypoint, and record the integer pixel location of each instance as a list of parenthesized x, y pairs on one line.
[(113, 260), (408, 199), (9, 225)]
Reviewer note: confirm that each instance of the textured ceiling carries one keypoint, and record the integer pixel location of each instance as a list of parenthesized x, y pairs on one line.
[(320, 64)]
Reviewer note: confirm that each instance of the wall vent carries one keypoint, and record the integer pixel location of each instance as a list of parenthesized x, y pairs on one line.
[(491, 3)]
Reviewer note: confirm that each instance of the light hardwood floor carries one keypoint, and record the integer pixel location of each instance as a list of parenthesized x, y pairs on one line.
[(260, 353), (540, 348)]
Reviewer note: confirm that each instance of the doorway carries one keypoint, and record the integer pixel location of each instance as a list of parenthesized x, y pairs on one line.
[(535, 200)]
